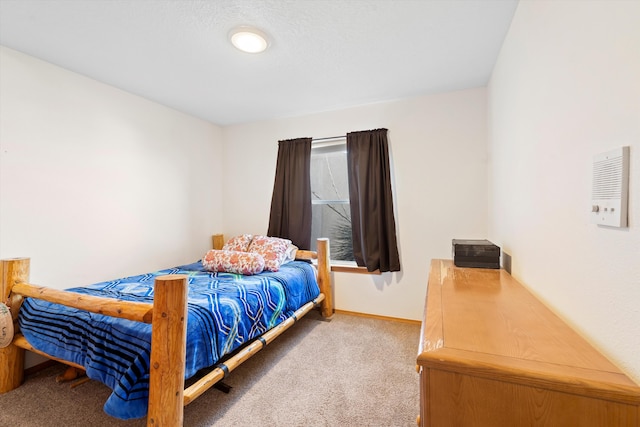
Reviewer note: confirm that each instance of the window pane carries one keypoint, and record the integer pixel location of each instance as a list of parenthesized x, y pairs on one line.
[(330, 211), (333, 221), (329, 175)]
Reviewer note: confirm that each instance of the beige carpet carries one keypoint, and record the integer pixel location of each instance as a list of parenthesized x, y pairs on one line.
[(351, 371)]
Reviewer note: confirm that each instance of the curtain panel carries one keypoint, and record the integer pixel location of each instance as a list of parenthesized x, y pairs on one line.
[(373, 223), (290, 216)]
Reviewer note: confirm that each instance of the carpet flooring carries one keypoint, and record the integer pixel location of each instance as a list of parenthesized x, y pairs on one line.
[(350, 371)]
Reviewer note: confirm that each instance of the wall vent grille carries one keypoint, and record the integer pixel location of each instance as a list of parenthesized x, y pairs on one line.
[(607, 178)]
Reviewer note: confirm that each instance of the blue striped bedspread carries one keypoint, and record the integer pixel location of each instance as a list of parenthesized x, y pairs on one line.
[(225, 311)]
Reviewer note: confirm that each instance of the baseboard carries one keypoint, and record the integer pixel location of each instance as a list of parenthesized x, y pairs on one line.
[(375, 316)]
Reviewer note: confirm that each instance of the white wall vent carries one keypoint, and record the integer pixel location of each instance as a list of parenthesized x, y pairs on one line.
[(610, 191)]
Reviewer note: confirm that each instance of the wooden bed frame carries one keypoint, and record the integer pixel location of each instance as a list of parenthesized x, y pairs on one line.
[(167, 314)]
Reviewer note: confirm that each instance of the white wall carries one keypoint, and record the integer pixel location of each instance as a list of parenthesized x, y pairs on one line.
[(96, 183), (567, 87), (438, 154)]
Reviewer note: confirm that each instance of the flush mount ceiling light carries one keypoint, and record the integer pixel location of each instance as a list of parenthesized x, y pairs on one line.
[(249, 39)]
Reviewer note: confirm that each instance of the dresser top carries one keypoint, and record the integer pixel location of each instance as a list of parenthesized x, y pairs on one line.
[(484, 321)]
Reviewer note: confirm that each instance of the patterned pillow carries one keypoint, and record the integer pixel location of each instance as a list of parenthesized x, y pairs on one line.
[(233, 262), (6, 326), (238, 243), (272, 249)]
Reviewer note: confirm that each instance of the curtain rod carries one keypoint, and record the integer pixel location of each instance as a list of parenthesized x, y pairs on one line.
[(328, 138)]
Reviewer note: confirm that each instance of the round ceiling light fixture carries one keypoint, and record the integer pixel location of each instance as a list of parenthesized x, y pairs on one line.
[(249, 39)]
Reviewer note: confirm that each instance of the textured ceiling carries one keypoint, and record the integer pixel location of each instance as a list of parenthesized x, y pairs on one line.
[(324, 54)]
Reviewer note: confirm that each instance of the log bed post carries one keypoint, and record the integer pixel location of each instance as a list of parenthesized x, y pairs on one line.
[(12, 271), (217, 241), (324, 277), (168, 351)]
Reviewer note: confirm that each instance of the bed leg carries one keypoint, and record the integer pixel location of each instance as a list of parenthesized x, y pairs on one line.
[(12, 271), (324, 277), (12, 365), (70, 374), (168, 351)]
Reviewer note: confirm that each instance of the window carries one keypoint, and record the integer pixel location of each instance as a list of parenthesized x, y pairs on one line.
[(331, 215), (313, 200)]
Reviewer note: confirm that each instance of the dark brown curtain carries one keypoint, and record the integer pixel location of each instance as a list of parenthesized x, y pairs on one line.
[(372, 219), (290, 216)]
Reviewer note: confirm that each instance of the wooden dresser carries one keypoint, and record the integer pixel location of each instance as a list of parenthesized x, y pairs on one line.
[(491, 354)]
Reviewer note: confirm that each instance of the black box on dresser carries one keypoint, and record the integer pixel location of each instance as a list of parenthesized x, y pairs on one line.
[(475, 253)]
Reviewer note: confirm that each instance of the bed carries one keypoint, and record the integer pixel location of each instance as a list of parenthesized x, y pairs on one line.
[(144, 335)]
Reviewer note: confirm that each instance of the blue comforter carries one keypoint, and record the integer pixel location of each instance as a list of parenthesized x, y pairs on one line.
[(225, 311)]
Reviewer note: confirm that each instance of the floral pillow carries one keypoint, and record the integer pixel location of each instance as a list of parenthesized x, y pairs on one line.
[(238, 243), (233, 262), (272, 249)]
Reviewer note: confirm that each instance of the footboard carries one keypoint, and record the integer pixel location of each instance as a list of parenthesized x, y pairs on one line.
[(167, 315)]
